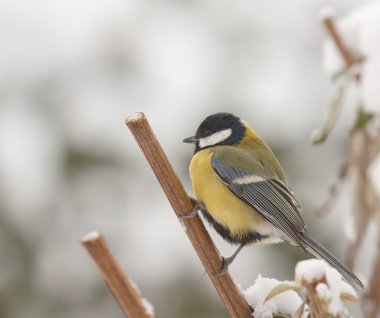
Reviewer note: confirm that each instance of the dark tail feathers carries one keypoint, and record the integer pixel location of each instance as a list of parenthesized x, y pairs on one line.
[(319, 251)]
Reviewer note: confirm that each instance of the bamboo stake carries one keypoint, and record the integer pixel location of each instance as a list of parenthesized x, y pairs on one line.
[(122, 289), (182, 206)]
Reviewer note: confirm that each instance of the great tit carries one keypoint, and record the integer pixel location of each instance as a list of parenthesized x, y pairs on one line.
[(243, 193)]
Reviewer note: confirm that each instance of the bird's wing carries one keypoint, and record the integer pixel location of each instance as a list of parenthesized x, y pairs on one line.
[(268, 195)]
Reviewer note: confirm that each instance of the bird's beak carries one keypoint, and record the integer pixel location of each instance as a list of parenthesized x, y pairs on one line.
[(191, 140)]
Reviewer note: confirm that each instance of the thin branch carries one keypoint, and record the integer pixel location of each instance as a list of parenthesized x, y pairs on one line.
[(300, 311), (182, 206), (346, 54), (371, 305), (361, 211), (316, 310), (122, 289), (372, 297), (365, 200), (321, 134)]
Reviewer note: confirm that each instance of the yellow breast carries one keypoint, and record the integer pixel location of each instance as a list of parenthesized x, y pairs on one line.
[(220, 202)]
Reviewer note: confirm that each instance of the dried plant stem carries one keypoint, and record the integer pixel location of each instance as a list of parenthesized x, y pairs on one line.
[(182, 206), (123, 290), (372, 297), (344, 51), (359, 161), (321, 134), (365, 200), (300, 311), (316, 310)]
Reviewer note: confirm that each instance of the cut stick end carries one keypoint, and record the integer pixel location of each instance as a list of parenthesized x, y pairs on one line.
[(326, 14), (91, 237), (333, 30), (135, 117)]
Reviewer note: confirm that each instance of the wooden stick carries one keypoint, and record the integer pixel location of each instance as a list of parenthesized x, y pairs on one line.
[(348, 57), (182, 206), (123, 290)]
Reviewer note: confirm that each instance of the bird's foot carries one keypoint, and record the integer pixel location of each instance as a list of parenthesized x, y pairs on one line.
[(226, 262), (196, 207)]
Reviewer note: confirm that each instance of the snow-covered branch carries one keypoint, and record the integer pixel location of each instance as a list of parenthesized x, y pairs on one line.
[(317, 291)]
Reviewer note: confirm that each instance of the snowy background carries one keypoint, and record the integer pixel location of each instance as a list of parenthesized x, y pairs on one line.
[(71, 71)]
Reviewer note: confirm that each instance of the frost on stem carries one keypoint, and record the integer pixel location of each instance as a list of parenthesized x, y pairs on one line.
[(91, 236), (326, 13), (148, 307)]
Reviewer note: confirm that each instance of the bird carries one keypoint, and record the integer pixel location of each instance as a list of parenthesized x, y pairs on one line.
[(242, 191)]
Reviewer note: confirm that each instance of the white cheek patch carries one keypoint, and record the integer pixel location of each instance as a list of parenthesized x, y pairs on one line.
[(248, 179), (215, 138)]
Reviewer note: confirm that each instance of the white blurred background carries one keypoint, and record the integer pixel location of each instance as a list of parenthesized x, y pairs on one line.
[(71, 71)]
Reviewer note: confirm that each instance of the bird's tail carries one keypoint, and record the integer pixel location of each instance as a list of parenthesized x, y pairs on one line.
[(319, 251)]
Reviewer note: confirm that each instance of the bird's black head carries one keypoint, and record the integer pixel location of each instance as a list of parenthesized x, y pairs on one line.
[(218, 129)]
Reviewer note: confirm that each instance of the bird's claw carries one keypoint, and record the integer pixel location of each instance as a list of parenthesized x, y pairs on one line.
[(226, 262), (196, 207)]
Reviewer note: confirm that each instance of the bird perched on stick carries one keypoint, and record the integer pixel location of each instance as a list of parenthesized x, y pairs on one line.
[(242, 190)]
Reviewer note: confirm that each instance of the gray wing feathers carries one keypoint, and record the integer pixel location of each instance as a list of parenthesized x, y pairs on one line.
[(286, 199), (270, 197), (273, 199)]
